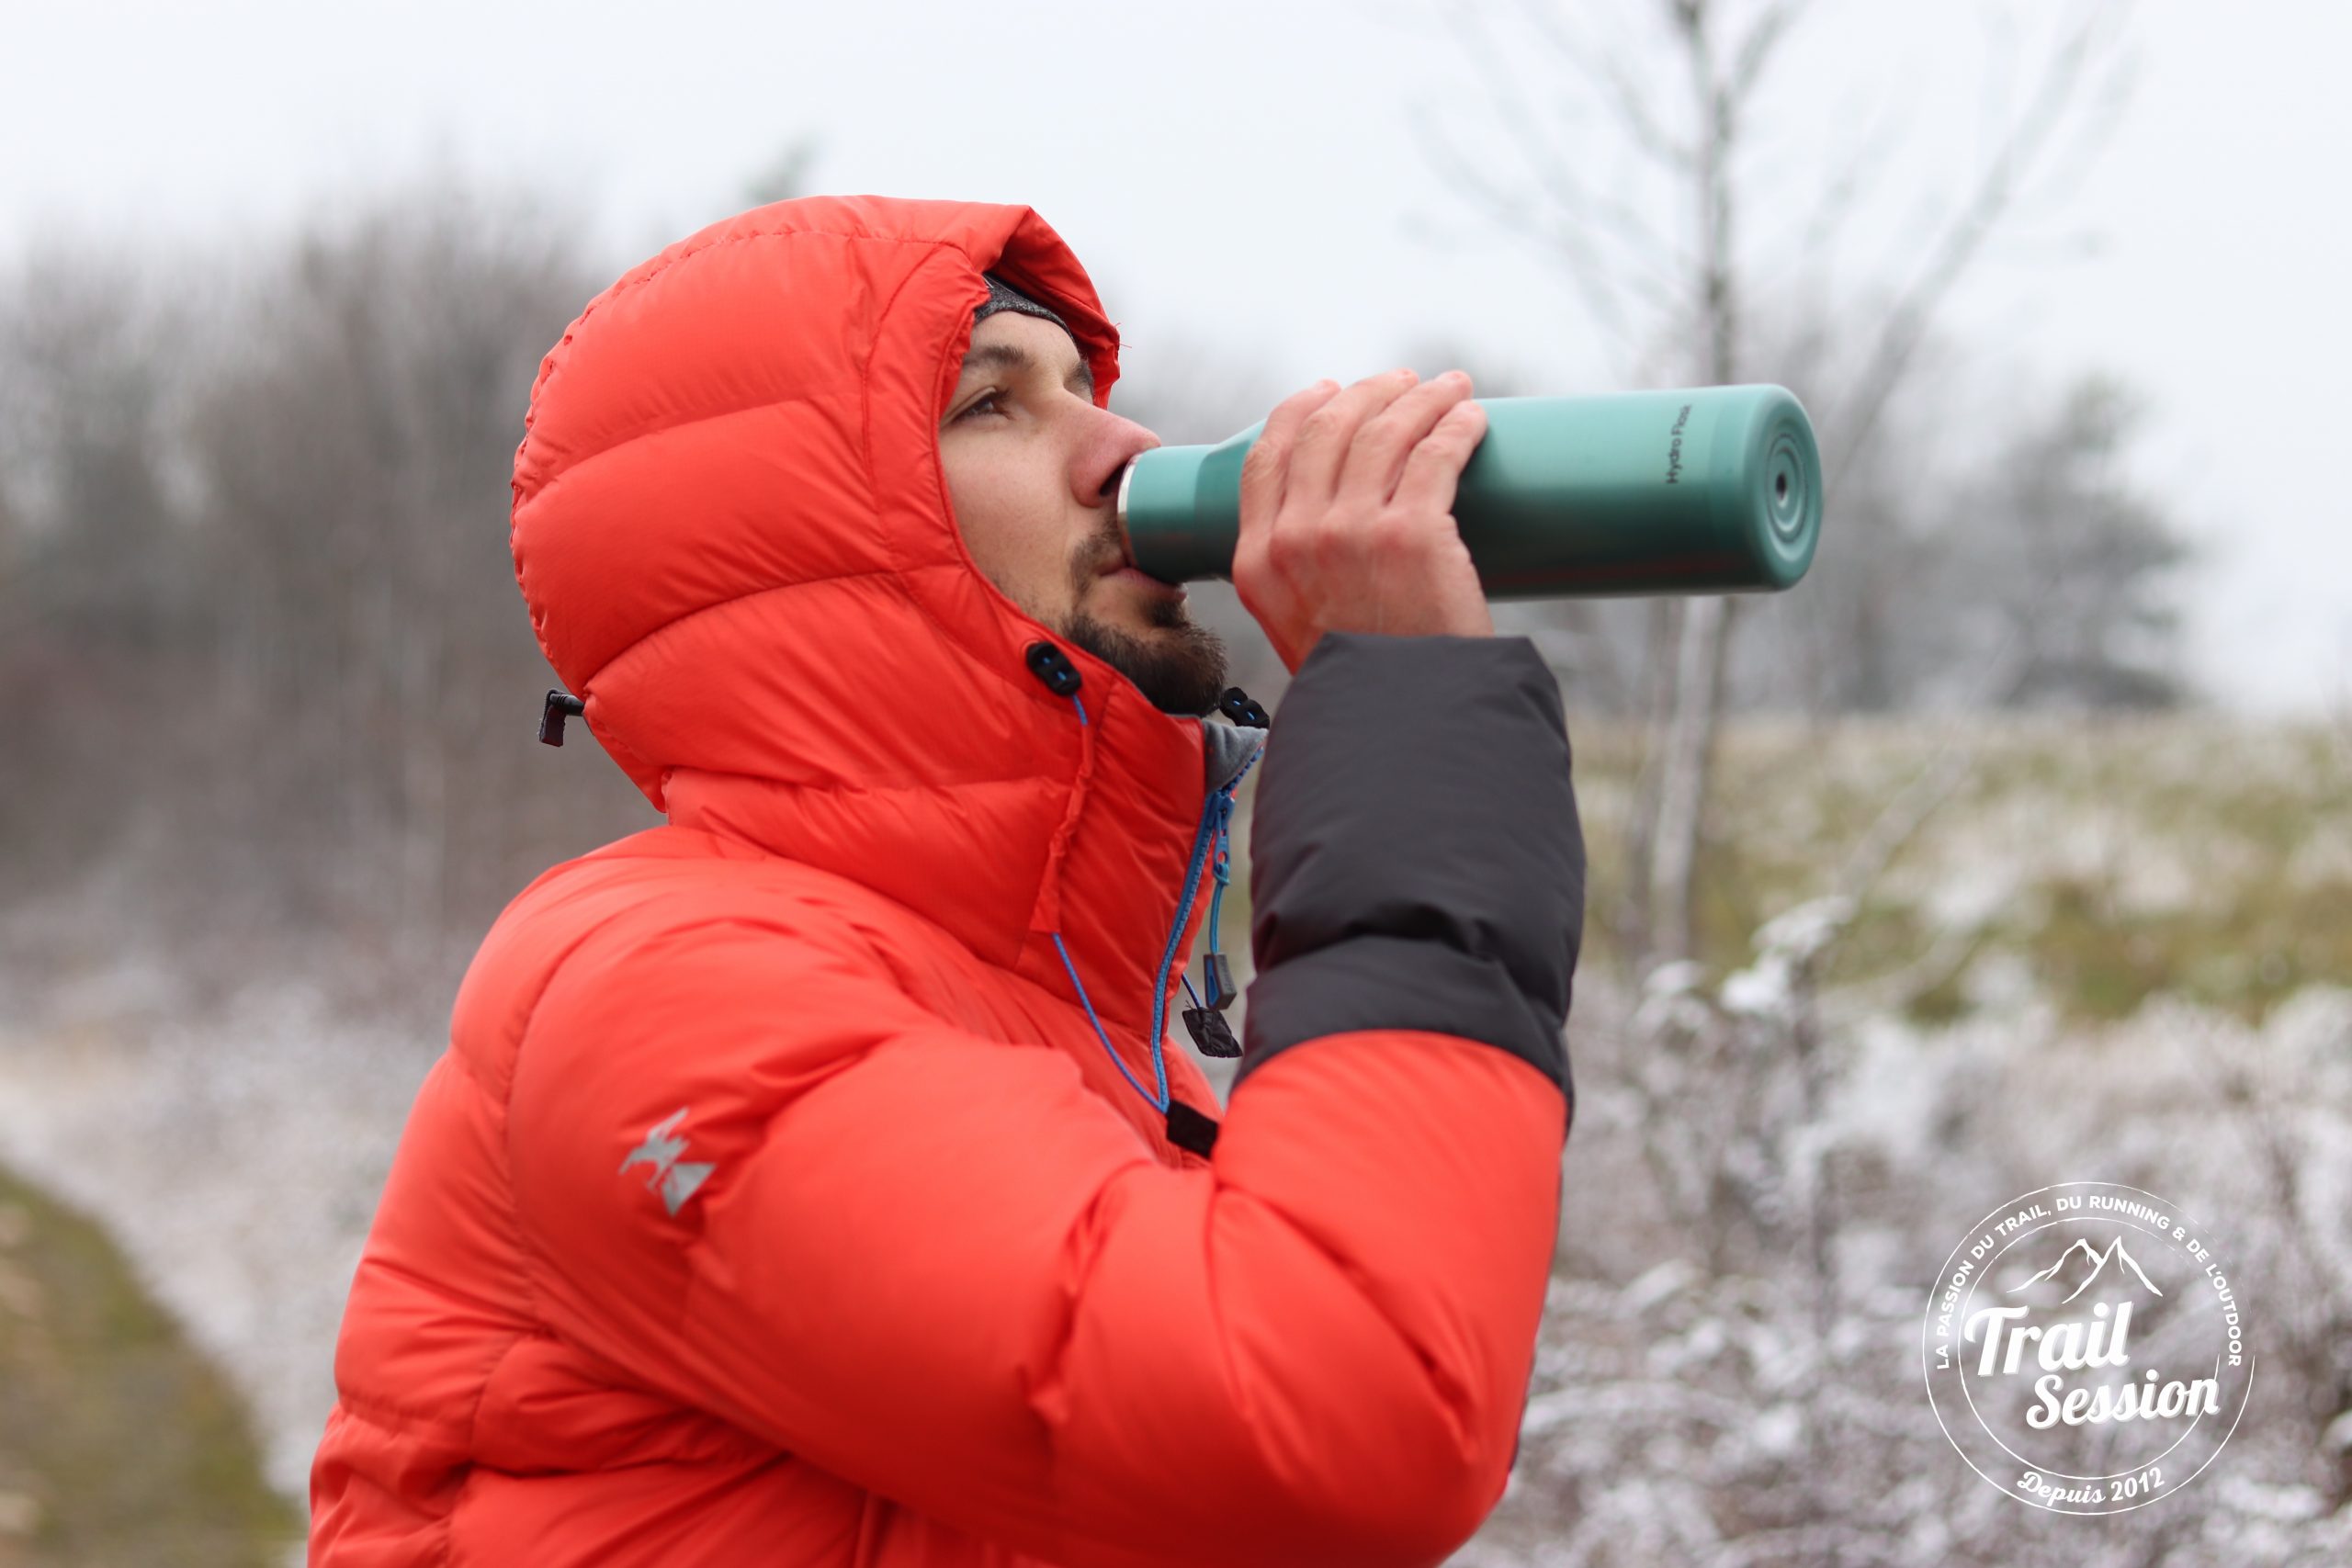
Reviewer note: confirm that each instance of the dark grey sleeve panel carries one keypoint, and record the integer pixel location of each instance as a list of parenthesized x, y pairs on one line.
[(1416, 860), (1395, 982)]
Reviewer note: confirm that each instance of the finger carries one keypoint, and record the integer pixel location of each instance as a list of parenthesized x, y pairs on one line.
[(1433, 471), (1376, 460), (1323, 440), (1266, 471)]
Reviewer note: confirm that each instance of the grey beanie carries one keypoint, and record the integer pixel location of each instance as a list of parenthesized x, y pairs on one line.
[(1003, 297)]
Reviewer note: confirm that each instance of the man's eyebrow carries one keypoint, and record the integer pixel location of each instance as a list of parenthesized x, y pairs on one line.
[(1019, 361)]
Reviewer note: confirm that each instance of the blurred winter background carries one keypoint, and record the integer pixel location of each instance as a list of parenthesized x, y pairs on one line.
[(2010, 848)]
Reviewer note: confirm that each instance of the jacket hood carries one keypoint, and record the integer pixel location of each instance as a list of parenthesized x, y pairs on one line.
[(733, 532)]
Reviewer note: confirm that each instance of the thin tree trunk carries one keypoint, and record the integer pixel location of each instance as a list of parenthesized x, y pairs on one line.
[(1689, 747), (1634, 926), (1682, 779)]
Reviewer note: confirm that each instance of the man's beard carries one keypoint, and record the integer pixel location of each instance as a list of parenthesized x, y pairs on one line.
[(1180, 671)]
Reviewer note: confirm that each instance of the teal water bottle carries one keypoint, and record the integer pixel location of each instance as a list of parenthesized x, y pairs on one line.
[(1715, 490)]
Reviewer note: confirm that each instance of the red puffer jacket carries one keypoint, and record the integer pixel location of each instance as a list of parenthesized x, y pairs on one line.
[(799, 1185)]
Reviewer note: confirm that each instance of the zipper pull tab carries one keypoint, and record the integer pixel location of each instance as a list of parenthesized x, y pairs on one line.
[(1211, 1033)]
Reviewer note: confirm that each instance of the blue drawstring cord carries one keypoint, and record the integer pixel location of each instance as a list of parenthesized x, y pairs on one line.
[(1217, 817), (1224, 837), (1224, 821), (1158, 1067)]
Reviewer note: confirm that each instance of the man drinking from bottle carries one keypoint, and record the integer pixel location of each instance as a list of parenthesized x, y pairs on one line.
[(815, 1177)]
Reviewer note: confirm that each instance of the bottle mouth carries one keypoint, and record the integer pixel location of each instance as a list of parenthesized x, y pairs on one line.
[(1119, 506)]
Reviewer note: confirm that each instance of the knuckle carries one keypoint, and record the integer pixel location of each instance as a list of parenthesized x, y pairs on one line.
[(1327, 541), (1386, 434), (1321, 425), (1382, 443), (1452, 439), (1287, 550), (1396, 532)]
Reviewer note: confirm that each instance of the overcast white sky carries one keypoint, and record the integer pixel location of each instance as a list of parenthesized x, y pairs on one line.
[(1247, 172)]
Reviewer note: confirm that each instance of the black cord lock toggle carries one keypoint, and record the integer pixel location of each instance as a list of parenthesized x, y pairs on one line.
[(1052, 666), (560, 705), (1216, 973), (1243, 708)]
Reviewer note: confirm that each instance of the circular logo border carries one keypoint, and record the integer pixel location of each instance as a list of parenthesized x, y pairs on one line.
[(1928, 1370)]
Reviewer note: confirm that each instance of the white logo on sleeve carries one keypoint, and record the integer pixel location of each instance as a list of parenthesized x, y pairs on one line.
[(659, 1150)]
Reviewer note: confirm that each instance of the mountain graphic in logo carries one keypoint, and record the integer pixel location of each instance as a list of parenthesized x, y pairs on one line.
[(2097, 1264)]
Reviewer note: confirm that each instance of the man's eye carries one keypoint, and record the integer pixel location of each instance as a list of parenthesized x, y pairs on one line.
[(982, 401)]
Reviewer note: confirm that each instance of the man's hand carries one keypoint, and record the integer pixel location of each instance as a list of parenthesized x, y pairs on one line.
[(1347, 520)]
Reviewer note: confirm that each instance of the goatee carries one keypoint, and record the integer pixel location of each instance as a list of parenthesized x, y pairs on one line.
[(1180, 670)]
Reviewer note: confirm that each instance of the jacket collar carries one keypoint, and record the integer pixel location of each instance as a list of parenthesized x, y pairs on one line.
[(1108, 842), (732, 528)]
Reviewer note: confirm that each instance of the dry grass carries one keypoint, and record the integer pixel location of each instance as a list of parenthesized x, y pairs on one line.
[(118, 1442)]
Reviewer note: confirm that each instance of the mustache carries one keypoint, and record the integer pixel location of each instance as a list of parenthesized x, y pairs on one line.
[(1102, 551)]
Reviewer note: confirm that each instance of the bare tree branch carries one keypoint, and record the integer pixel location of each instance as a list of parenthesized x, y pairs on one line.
[(1606, 70), (1588, 273), (1997, 188), (1579, 204), (1753, 55)]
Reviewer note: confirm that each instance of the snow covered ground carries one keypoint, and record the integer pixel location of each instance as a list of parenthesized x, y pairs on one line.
[(237, 1157)]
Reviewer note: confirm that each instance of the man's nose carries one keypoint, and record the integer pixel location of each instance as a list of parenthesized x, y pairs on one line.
[(1110, 445)]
